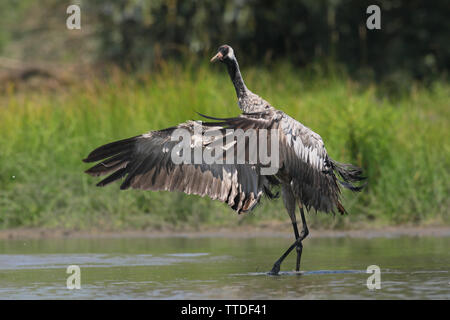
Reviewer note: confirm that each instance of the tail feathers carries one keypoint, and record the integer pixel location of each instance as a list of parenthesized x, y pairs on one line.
[(351, 186), (349, 173), (115, 156)]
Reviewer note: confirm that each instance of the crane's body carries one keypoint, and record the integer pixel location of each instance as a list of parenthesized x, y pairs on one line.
[(306, 173)]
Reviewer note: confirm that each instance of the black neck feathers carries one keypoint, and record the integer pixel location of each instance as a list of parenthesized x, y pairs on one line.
[(236, 77)]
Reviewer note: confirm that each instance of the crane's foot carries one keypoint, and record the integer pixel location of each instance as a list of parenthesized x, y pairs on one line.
[(298, 246), (299, 249), (275, 269)]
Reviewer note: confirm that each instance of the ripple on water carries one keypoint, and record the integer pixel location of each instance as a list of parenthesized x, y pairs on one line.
[(52, 261), (296, 273)]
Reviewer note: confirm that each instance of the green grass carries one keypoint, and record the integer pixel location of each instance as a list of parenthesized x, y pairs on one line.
[(403, 145)]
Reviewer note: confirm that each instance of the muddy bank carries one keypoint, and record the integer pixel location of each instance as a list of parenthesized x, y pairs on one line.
[(276, 230)]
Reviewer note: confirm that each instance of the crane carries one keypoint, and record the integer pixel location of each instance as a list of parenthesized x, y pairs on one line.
[(308, 177)]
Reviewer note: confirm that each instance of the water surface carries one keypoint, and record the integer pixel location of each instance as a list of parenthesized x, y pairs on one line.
[(224, 268)]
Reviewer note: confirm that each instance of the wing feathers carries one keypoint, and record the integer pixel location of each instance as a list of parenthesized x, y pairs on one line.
[(145, 163), (303, 158)]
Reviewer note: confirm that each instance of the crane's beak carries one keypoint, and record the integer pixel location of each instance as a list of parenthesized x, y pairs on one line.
[(217, 56)]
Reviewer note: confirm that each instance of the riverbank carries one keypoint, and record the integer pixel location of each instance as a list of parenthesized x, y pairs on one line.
[(275, 230)]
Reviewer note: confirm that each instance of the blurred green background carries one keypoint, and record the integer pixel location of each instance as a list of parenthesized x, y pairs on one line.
[(378, 98)]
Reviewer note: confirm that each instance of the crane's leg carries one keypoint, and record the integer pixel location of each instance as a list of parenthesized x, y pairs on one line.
[(289, 202), (297, 244), (302, 236), (298, 247)]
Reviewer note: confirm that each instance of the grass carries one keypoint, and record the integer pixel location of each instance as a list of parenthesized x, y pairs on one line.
[(403, 145)]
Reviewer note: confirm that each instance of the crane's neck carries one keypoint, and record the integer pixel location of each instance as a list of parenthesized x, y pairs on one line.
[(236, 78)]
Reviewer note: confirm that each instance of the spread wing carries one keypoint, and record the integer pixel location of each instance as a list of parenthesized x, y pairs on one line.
[(145, 162)]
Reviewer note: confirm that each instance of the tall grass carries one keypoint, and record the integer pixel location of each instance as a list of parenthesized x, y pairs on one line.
[(402, 145)]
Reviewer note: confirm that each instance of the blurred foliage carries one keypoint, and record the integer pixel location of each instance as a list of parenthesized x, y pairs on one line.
[(401, 146), (412, 43), (11, 11), (139, 34)]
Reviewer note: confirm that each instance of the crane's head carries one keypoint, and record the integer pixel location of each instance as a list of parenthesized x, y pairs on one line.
[(224, 53)]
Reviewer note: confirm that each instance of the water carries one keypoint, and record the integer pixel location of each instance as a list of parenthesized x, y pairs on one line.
[(224, 268)]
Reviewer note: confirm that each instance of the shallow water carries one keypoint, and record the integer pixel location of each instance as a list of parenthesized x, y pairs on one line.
[(224, 268)]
